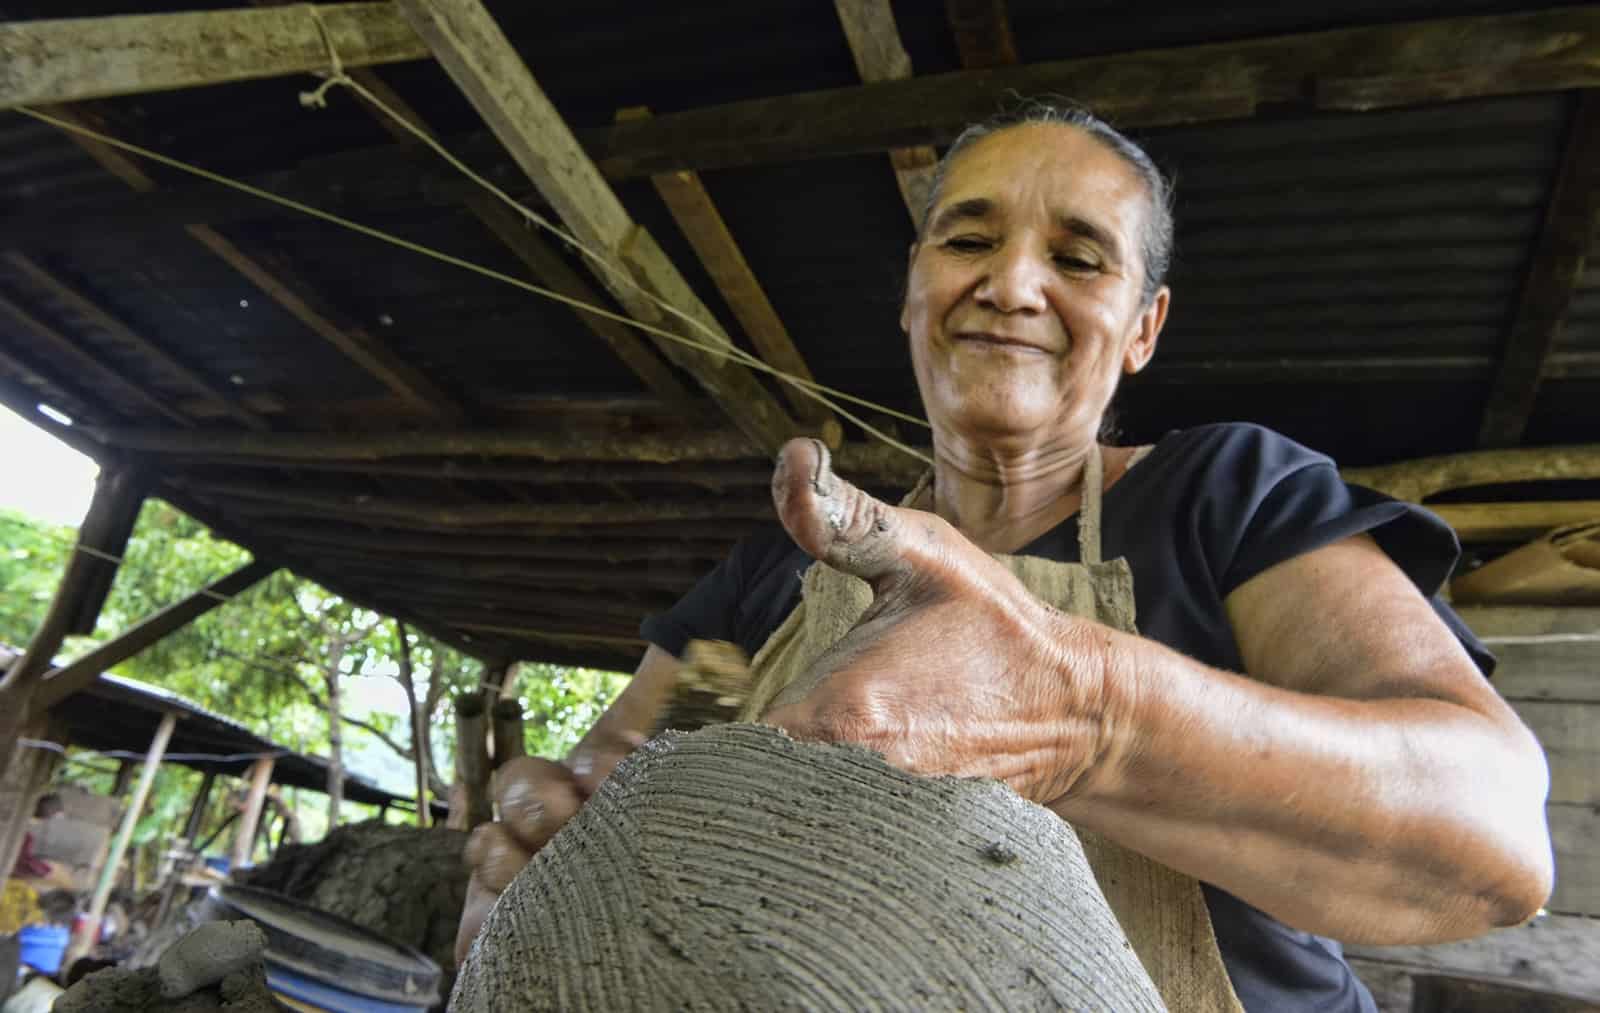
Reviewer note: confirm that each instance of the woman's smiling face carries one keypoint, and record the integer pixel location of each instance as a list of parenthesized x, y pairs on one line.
[(1024, 298)]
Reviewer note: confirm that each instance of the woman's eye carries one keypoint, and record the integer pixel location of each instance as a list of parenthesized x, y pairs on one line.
[(1069, 262), (967, 244)]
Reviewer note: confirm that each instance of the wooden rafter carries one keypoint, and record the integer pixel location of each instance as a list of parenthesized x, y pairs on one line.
[(366, 351), (702, 224), (470, 45), (80, 303), (875, 44), (1418, 479), (983, 33), (546, 265), (89, 364), (1554, 272), (1514, 522), (353, 541)]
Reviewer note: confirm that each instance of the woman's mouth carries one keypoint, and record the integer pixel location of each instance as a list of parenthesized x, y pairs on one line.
[(1000, 341)]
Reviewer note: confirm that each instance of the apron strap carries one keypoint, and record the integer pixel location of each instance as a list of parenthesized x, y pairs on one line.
[(1089, 508)]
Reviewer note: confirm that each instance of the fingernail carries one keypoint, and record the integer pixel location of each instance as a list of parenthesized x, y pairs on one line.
[(822, 477)]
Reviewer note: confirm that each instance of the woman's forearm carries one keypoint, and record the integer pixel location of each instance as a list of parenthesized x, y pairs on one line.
[(1368, 820)]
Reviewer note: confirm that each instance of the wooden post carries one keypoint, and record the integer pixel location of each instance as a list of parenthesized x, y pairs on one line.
[(191, 833), (507, 726), (419, 754), (260, 777), (89, 929), (20, 788), (112, 492), (124, 778), (472, 760)]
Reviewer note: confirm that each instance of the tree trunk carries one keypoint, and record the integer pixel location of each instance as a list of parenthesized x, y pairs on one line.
[(472, 760), (335, 734), (418, 722), (922, 893)]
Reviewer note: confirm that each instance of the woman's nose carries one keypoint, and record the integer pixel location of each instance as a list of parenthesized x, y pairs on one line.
[(1014, 283)]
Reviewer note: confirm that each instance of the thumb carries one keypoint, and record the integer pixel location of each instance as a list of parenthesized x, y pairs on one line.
[(833, 520)]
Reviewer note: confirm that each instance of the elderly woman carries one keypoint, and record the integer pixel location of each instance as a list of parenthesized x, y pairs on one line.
[(1294, 723)]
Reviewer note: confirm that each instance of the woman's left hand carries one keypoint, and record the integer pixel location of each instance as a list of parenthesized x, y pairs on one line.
[(955, 668)]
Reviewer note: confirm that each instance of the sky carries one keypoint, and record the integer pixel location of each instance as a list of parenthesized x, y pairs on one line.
[(42, 476)]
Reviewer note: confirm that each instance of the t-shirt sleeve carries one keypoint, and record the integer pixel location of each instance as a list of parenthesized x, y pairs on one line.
[(741, 600), (1299, 503)]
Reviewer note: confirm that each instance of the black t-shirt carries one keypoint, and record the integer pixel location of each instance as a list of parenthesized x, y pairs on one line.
[(1205, 511)]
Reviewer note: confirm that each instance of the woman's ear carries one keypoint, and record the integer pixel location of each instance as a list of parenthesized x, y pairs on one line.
[(1150, 321)]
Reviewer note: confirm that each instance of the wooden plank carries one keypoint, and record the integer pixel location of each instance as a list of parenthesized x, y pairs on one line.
[(71, 59), (1367, 68), (60, 683), (466, 40), (874, 39), (1513, 522), (362, 348), (547, 266), (1560, 953), (1574, 829), (702, 224), (89, 364), (1570, 734), (254, 498), (1417, 479), (1433, 993), (982, 29), (1557, 267), (1534, 624), (82, 304), (1552, 670)]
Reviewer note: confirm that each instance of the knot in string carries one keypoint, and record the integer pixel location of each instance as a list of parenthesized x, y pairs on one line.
[(318, 99)]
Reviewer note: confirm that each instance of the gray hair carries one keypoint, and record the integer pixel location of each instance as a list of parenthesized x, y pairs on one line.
[(1155, 239)]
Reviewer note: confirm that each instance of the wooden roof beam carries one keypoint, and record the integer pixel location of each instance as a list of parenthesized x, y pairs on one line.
[(1351, 69), (1416, 480), (70, 59), (875, 44), (1554, 272), (466, 40), (82, 304), (367, 352), (702, 224), (89, 364), (983, 33)]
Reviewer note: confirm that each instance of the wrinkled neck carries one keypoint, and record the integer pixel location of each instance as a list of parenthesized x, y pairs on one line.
[(1003, 502)]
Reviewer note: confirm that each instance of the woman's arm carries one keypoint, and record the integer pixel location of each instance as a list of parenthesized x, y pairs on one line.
[(1365, 782)]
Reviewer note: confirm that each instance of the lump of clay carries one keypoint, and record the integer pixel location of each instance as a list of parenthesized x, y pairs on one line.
[(217, 967), (735, 868), (207, 955)]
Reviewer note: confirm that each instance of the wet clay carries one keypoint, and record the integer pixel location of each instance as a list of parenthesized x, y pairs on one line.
[(220, 970), (735, 868)]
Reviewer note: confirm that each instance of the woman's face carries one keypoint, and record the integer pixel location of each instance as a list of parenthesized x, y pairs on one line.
[(1023, 300)]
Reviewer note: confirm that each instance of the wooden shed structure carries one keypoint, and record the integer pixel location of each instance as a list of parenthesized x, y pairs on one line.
[(1384, 213)]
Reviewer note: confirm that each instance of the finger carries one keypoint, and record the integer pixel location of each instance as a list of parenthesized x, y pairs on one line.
[(495, 856), (832, 519), (592, 765), (536, 797), (479, 901)]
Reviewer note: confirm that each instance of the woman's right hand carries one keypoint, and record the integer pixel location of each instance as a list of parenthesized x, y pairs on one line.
[(536, 798)]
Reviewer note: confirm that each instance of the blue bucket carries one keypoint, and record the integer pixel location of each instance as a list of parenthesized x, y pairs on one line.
[(43, 946)]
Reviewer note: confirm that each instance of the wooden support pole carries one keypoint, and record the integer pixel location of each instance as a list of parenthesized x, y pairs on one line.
[(880, 56), (1514, 522), (472, 762), (112, 488), (1554, 274), (89, 930), (45, 62), (250, 820), (62, 682), (419, 753), (509, 742), (191, 834), (469, 44), (20, 787)]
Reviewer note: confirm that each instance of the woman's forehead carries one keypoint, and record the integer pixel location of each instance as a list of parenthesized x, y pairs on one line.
[(1060, 167)]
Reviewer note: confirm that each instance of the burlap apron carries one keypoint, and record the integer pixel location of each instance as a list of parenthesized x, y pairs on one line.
[(1163, 912)]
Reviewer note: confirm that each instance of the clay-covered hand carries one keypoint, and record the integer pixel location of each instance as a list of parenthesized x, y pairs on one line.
[(955, 668), (536, 798)]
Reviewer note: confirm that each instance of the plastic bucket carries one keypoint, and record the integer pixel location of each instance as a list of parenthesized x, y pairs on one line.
[(318, 961), (43, 946)]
